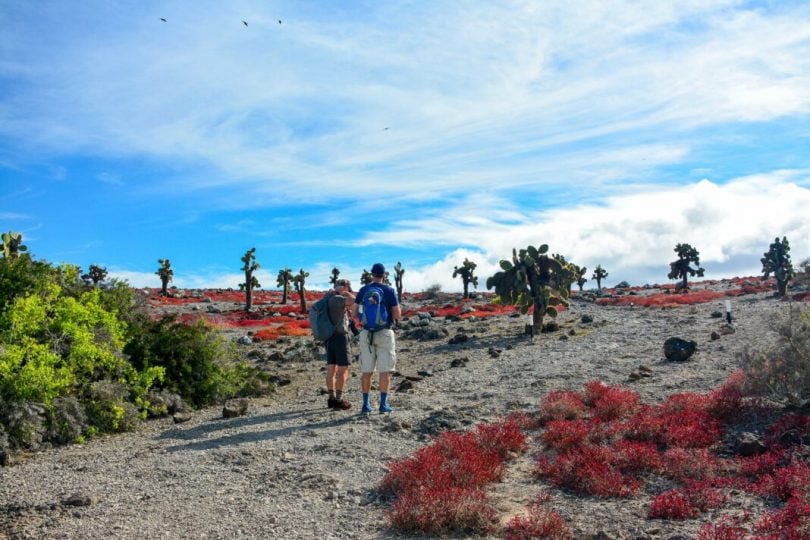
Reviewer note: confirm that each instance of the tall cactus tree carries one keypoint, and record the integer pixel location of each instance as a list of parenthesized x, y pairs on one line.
[(166, 275), (681, 268), (12, 245), (334, 278), (528, 281), (365, 277), (467, 273), (300, 280), (250, 265), (777, 261), (284, 279), (599, 274), (398, 272), (95, 275), (581, 279)]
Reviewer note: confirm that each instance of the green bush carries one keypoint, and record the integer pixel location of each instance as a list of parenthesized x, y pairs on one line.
[(109, 409), (65, 372), (22, 276), (781, 370), (197, 362), (68, 421)]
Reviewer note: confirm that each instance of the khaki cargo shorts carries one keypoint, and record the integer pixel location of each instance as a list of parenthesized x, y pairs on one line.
[(378, 350)]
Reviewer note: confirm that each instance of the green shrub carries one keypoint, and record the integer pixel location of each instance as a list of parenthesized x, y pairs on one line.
[(25, 424), (782, 370), (67, 421), (57, 339), (22, 276), (198, 364), (108, 408)]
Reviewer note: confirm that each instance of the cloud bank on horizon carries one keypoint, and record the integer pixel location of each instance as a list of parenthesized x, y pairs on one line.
[(423, 133)]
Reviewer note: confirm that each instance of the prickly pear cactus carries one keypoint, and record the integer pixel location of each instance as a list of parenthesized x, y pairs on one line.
[(12, 245), (300, 280), (776, 261), (527, 281), (334, 278), (398, 272), (250, 265), (95, 274), (284, 279), (467, 273), (166, 274), (681, 268), (580, 274), (599, 274)]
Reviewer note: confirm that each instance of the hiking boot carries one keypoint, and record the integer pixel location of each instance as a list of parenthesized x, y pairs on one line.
[(332, 403), (365, 410), (385, 409), (342, 404)]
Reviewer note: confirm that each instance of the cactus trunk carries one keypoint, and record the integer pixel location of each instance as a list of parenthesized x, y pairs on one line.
[(248, 290), (302, 296)]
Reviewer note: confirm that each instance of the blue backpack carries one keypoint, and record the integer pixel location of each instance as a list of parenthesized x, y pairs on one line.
[(375, 311)]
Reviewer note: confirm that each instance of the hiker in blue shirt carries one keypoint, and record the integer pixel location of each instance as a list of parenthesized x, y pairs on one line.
[(338, 352), (378, 310)]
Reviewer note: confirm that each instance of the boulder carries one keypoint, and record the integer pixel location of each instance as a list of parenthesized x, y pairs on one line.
[(235, 407), (79, 499), (679, 350), (458, 338), (180, 417), (748, 444)]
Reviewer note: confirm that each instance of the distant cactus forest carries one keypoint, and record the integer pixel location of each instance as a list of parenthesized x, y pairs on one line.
[(81, 354)]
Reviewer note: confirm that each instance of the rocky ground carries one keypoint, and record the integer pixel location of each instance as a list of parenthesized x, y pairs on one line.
[(290, 468)]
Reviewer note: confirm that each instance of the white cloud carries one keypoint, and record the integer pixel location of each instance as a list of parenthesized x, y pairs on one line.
[(633, 235)]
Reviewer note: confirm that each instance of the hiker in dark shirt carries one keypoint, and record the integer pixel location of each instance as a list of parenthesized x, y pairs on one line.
[(338, 351), (377, 340)]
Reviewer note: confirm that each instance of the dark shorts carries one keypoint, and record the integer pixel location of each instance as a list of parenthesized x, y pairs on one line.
[(337, 350)]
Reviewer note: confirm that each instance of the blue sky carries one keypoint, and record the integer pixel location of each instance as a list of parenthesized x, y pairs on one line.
[(420, 132)]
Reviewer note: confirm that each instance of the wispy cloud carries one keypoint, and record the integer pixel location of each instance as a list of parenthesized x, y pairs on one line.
[(472, 94)]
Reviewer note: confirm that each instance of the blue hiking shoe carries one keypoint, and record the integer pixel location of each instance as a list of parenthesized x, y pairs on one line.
[(365, 410), (385, 409)]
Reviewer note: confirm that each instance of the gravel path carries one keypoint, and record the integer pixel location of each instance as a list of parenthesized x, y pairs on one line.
[(291, 468)]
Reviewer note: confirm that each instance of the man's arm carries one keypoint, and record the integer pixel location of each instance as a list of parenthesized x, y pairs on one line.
[(396, 313)]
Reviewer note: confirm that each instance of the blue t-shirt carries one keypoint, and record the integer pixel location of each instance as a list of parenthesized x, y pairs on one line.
[(389, 297)]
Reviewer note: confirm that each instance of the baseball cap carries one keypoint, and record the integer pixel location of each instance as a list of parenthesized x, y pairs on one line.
[(344, 283), (378, 269)]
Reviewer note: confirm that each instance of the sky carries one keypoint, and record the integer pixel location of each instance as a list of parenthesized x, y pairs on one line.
[(340, 134)]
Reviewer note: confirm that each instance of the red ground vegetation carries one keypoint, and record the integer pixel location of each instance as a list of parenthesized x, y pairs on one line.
[(602, 442), (439, 488), (699, 293)]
